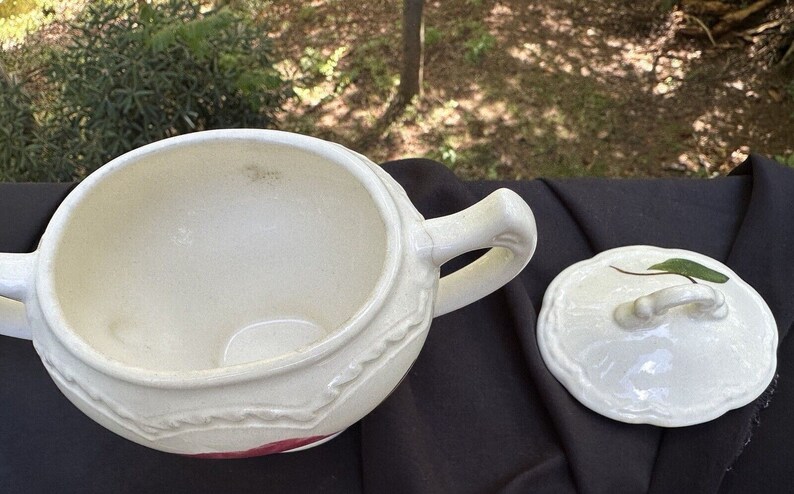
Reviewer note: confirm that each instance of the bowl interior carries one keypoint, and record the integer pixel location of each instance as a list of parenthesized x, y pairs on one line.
[(218, 252)]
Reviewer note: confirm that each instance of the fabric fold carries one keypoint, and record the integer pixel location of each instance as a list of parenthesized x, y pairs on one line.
[(697, 457), (749, 229), (479, 411)]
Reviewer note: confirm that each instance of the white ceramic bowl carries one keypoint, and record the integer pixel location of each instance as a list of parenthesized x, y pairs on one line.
[(240, 292)]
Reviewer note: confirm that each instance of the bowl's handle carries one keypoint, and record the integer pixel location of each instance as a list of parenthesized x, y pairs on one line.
[(701, 301), (501, 221), (16, 278)]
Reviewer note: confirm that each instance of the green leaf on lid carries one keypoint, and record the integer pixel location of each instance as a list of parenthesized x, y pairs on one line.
[(690, 269)]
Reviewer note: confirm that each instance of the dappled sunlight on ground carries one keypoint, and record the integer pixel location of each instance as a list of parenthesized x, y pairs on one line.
[(515, 89), (554, 88)]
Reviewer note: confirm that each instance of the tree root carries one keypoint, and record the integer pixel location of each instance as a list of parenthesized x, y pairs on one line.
[(728, 17), (704, 26), (763, 27), (705, 7), (789, 54), (728, 21)]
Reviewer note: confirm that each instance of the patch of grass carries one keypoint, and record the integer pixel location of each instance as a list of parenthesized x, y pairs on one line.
[(445, 152), (593, 102), (473, 35), (478, 47), (476, 161), (433, 36), (369, 64), (785, 159), (572, 167), (307, 13)]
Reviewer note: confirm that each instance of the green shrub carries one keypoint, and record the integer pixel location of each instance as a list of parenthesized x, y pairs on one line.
[(134, 73), (22, 144)]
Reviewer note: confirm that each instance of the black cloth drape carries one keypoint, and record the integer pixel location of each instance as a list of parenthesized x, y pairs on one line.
[(478, 411)]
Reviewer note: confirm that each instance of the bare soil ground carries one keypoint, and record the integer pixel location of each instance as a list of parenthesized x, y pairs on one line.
[(516, 89)]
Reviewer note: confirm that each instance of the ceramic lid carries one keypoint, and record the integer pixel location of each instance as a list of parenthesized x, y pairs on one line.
[(668, 337)]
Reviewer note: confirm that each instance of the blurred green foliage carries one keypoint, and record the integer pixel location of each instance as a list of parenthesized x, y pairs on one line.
[(19, 18), (478, 47), (784, 159), (476, 39), (433, 36), (22, 142), (10, 8), (370, 65), (134, 73)]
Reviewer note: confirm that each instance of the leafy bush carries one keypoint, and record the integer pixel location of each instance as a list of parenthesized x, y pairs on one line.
[(21, 143), (318, 78), (134, 73)]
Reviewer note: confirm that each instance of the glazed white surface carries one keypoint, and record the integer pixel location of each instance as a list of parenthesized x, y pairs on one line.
[(220, 238), (703, 350), (227, 290)]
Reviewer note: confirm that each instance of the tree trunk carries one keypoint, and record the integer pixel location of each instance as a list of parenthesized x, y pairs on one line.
[(413, 47), (410, 76)]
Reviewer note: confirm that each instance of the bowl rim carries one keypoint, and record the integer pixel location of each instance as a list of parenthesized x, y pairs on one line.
[(358, 166)]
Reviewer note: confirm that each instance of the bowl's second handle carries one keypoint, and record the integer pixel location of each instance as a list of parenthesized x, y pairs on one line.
[(501, 221), (16, 279)]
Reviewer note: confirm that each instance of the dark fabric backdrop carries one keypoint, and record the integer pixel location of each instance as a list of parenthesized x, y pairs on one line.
[(478, 411)]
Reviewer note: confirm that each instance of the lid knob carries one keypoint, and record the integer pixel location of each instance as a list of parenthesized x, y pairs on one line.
[(698, 302)]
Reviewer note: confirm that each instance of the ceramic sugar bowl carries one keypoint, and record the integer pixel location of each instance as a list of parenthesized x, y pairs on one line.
[(241, 292)]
